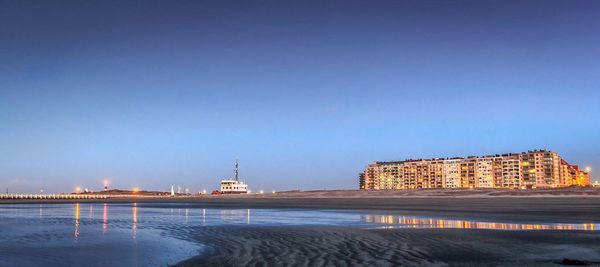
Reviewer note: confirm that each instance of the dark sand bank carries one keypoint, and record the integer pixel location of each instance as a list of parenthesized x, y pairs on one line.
[(338, 246), (527, 209)]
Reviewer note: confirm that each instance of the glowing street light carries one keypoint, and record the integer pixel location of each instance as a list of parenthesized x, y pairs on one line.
[(588, 169)]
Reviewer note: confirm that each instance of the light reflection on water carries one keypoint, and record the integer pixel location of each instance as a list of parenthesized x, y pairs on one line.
[(70, 234), (154, 216), (419, 222), (155, 234), (77, 207)]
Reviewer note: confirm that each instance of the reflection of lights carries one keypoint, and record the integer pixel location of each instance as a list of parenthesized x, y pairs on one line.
[(238, 215), (415, 222), (105, 217), (41, 209), (248, 216), (186, 215), (203, 216), (76, 235), (134, 212)]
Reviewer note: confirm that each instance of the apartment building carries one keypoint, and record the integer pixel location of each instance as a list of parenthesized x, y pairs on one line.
[(451, 175), (532, 169), (511, 171), (371, 177), (485, 172)]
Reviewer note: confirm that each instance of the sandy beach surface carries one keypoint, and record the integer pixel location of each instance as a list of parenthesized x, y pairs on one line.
[(304, 245), (339, 246)]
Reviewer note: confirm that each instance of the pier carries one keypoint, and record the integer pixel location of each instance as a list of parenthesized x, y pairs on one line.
[(51, 196)]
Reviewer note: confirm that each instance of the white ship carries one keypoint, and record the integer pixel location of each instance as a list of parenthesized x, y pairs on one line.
[(233, 186)]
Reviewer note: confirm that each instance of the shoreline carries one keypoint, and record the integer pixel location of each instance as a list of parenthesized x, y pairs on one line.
[(529, 209), (324, 245)]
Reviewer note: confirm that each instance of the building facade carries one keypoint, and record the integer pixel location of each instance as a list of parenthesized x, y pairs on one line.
[(532, 169)]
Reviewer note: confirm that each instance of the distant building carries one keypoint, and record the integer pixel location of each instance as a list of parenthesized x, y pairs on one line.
[(451, 175), (532, 169), (233, 186)]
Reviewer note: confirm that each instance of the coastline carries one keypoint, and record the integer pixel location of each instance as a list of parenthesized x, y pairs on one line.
[(310, 245), (580, 209)]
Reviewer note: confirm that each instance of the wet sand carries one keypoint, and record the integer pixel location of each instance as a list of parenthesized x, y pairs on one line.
[(339, 246), (347, 246), (342, 246)]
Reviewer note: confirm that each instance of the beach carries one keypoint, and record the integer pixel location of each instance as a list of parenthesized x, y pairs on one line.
[(579, 205), (339, 246), (301, 244)]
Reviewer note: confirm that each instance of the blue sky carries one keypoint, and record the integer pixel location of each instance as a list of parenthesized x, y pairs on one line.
[(304, 93)]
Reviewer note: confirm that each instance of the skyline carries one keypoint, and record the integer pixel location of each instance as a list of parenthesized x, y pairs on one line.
[(522, 170), (154, 94)]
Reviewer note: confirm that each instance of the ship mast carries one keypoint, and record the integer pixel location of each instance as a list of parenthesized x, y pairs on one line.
[(236, 169)]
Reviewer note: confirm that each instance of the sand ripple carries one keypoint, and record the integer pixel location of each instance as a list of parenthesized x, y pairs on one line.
[(339, 246)]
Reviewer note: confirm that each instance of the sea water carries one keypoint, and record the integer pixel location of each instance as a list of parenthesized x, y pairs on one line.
[(149, 234)]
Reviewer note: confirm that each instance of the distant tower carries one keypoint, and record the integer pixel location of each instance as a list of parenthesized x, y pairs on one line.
[(236, 169), (172, 191), (105, 185)]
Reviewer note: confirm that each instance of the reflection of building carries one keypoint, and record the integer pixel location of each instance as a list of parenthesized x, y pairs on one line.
[(420, 222), (239, 215), (532, 169)]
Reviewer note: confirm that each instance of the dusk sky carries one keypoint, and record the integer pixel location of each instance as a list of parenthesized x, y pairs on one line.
[(304, 93)]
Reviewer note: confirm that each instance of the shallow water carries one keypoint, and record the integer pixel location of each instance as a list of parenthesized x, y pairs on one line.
[(158, 234)]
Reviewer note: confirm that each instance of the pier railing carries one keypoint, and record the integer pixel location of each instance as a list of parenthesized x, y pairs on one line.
[(51, 196), (86, 196)]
